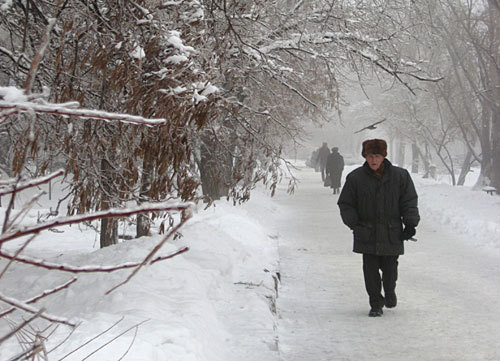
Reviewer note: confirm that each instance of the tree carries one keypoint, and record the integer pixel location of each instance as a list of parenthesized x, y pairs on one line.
[(282, 61), (469, 33), (234, 80), (460, 40), (119, 57)]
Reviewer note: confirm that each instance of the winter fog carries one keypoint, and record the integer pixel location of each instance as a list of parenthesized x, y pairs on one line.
[(186, 180)]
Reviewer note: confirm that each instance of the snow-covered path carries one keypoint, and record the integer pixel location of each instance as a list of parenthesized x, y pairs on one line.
[(448, 290)]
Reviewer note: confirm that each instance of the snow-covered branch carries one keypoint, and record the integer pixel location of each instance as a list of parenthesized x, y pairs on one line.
[(27, 308), (39, 56), (148, 258), (7, 187), (86, 269), (56, 109), (42, 295), (116, 212)]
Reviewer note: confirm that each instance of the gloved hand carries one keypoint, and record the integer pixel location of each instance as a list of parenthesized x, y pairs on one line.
[(408, 233)]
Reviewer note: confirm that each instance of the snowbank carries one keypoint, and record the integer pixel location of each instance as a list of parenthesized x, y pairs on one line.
[(472, 213), (192, 307)]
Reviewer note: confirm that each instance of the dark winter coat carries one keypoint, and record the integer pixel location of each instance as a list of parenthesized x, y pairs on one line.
[(376, 208), (334, 168)]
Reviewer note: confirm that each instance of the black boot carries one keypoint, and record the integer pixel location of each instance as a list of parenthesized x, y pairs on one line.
[(391, 300), (376, 312)]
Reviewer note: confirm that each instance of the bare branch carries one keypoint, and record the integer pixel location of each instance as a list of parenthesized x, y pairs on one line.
[(131, 342), (14, 256), (114, 338), (42, 295), (87, 269), (92, 339), (20, 327), (116, 212), (82, 113), (29, 184), (153, 252), (26, 207), (27, 308), (38, 57)]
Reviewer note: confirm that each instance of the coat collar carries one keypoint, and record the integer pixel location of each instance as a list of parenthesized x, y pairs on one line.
[(387, 170)]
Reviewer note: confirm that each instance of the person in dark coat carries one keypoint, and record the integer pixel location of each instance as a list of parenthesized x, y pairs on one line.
[(334, 169), (377, 200), (323, 153)]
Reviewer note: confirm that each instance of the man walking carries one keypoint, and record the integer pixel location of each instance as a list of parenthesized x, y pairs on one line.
[(334, 169), (323, 153), (377, 199)]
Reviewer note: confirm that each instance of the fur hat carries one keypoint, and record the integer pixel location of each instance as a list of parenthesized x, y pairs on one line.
[(374, 146)]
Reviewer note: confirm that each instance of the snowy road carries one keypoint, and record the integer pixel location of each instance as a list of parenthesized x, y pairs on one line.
[(448, 290)]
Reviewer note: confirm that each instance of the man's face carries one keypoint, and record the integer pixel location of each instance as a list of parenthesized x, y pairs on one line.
[(374, 160)]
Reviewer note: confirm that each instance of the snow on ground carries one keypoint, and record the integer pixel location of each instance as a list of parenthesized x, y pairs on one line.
[(222, 300), (474, 214), (190, 304)]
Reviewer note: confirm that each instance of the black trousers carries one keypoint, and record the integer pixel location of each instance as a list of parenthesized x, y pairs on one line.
[(372, 265)]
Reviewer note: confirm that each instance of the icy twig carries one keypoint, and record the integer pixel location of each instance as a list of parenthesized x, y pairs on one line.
[(20, 327), (38, 56), (114, 212), (86, 269), (17, 253), (114, 338), (28, 354), (57, 109), (26, 208), (62, 341), (91, 339), (42, 295), (27, 308), (7, 213), (185, 217), (131, 342), (8, 188)]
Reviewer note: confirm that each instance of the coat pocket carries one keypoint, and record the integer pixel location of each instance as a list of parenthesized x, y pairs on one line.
[(395, 231), (363, 232)]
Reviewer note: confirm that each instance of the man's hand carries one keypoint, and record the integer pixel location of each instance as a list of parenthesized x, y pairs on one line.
[(408, 233)]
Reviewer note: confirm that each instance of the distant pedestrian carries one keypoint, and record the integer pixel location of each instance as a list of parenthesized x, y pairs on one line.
[(323, 153), (334, 169), (376, 201), (313, 160), (316, 160)]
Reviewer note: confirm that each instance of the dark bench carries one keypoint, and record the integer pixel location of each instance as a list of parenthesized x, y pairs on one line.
[(490, 190)]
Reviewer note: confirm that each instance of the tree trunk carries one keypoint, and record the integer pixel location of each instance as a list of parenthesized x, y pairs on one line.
[(109, 226), (143, 226), (400, 159), (425, 159), (414, 155), (215, 170), (109, 232), (143, 220), (495, 172), (486, 146), (465, 169), (494, 72)]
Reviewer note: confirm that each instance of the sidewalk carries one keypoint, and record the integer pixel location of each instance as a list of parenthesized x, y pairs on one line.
[(447, 290)]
